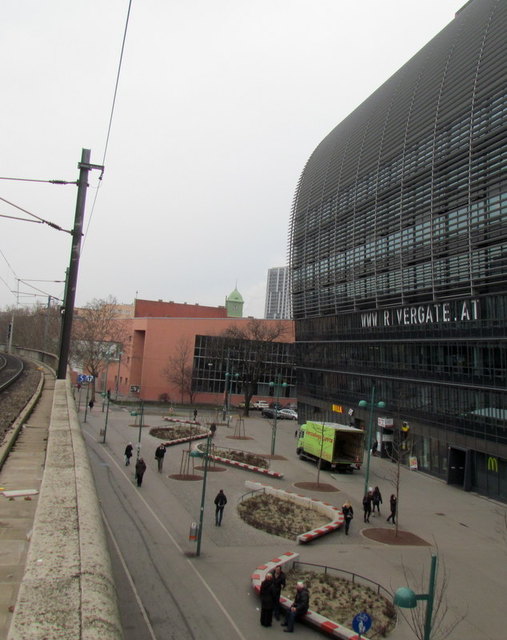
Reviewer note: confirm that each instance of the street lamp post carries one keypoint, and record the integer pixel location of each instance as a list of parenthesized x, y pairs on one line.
[(371, 405), (106, 420), (203, 494), (276, 386), (140, 431), (228, 386), (407, 599), (118, 375)]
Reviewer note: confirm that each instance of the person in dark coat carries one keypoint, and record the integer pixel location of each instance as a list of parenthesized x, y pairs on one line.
[(348, 514), (279, 582), (267, 594), (140, 469), (91, 404), (393, 503), (367, 501), (298, 608), (159, 456), (128, 453), (377, 500), (220, 502)]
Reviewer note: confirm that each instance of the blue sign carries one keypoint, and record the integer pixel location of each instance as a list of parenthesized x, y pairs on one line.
[(361, 622), (84, 378)]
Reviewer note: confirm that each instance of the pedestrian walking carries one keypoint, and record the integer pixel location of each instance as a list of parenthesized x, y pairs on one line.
[(348, 514), (374, 448), (376, 500), (279, 582), (128, 453), (213, 429), (90, 404), (393, 503), (267, 593), (367, 502), (140, 469), (159, 456), (195, 414), (220, 502), (298, 608)]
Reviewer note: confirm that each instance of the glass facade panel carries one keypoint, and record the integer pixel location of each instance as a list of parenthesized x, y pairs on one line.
[(398, 252)]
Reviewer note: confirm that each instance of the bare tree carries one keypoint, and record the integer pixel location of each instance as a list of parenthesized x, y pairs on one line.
[(399, 452), (37, 327), (97, 337), (251, 346), (179, 369), (443, 620)]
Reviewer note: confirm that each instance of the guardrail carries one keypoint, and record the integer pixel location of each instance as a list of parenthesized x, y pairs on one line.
[(353, 577)]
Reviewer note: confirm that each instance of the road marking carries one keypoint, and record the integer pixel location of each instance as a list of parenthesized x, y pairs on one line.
[(175, 543), (129, 577)]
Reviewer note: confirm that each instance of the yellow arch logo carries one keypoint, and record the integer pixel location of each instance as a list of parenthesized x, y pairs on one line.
[(493, 464)]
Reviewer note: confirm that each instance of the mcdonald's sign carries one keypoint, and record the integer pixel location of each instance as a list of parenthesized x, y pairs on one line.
[(493, 464)]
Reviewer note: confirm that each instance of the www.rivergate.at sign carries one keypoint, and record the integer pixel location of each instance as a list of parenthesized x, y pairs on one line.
[(422, 314)]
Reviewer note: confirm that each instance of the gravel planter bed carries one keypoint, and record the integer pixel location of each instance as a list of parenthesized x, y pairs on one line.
[(177, 432), (279, 517), (340, 600), (242, 456)]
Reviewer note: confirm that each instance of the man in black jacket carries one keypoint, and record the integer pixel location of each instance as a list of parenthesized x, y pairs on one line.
[(220, 502), (298, 608)]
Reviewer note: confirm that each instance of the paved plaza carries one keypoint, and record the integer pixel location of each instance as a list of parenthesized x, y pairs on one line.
[(467, 531)]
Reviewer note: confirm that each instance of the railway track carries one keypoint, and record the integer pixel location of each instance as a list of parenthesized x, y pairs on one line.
[(11, 368)]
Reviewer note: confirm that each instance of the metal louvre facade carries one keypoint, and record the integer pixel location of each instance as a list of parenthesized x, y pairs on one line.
[(398, 253)]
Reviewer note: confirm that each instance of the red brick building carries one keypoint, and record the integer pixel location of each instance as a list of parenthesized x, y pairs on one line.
[(156, 332)]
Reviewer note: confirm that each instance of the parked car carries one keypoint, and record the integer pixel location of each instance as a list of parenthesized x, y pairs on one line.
[(268, 412), (260, 404), (288, 414)]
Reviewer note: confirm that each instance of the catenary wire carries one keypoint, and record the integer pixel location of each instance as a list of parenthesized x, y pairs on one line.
[(42, 220), (110, 124)]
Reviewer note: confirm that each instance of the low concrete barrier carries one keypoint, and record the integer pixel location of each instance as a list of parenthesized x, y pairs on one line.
[(67, 590)]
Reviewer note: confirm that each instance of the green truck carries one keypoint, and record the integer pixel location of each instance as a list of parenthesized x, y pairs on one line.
[(338, 446)]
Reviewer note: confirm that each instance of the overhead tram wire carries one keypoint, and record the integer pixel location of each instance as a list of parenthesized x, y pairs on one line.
[(36, 180), (38, 218), (110, 124)]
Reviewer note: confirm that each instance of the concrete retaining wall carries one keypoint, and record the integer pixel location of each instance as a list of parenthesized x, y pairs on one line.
[(68, 589)]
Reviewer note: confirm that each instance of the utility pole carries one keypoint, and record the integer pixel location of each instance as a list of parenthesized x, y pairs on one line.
[(70, 290)]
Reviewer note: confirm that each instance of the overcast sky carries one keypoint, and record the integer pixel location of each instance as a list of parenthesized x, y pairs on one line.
[(220, 104)]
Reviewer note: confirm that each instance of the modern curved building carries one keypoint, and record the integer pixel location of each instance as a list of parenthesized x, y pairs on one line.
[(398, 257)]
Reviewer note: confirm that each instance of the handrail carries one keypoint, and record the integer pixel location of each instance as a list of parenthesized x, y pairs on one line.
[(378, 587)]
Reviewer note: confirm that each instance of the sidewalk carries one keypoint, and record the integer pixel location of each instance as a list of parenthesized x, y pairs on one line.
[(23, 469)]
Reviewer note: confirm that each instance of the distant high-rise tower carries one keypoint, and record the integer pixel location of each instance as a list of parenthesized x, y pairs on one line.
[(278, 301)]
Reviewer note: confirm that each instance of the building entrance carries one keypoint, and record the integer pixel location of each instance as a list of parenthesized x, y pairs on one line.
[(459, 467)]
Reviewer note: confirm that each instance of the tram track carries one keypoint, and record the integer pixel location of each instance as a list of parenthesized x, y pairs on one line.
[(18, 383), (11, 367)]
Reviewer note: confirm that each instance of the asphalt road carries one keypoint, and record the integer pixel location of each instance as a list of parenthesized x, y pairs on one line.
[(166, 593)]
